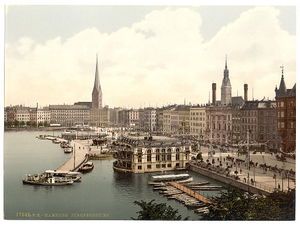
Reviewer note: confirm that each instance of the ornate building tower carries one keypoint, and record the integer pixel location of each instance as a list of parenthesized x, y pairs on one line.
[(226, 87), (97, 92)]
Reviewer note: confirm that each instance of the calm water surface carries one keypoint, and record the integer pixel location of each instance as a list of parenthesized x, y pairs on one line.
[(102, 194)]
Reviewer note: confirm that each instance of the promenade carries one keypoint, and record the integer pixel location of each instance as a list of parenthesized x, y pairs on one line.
[(268, 180), (80, 150)]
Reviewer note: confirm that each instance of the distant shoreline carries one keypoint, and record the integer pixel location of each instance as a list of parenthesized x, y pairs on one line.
[(34, 129)]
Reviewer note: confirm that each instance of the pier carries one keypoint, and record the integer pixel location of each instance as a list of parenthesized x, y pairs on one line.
[(191, 193), (79, 155)]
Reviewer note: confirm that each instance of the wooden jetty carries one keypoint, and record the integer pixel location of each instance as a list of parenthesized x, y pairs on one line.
[(79, 156), (191, 193)]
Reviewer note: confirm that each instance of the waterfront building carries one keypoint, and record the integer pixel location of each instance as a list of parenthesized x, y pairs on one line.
[(99, 117), (43, 115), (259, 118), (198, 121), (97, 92), (286, 116), (226, 87), (69, 115), (150, 154)]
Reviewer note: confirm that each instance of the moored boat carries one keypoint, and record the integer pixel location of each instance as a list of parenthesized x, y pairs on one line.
[(74, 176), (68, 150), (42, 179), (179, 178), (86, 167)]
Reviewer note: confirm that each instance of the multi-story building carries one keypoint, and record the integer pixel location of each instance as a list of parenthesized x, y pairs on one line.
[(133, 118), (140, 155), (198, 121), (114, 116), (99, 117), (219, 124), (260, 120), (69, 115), (22, 114), (123, 117), (43, 115), (286, 116), (148, 119)]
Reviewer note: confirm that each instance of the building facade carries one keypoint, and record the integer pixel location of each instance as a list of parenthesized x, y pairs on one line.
[(198, 122), (286, 116), (69, 115), (140, 155), (219, 124)]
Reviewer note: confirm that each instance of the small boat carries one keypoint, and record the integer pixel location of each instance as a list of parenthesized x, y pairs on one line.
[(179, 178), (66, 174), (42, 179), (41, 137), (64, 145), (86, 167), (68, 150), (56, 141)]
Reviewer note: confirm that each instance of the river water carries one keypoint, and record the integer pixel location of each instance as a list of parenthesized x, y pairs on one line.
[(102, 194)]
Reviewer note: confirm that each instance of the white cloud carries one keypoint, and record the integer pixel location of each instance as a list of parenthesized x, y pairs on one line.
[(161, 59)]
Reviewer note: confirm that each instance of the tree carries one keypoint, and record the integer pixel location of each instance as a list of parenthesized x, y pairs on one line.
[(16, 123), (235, 204), (199, 156), (22, 123), (156, 211)]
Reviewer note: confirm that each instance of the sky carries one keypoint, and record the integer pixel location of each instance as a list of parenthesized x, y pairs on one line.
[(148, 55)]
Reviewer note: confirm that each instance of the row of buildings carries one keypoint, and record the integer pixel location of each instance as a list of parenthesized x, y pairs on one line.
[(226, 121)]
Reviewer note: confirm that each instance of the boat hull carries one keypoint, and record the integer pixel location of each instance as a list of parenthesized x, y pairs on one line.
[(46, 184)]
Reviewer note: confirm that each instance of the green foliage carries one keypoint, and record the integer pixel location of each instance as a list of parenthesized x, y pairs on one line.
[(234, 204), (16, 123), (199, 156), (156, 211)]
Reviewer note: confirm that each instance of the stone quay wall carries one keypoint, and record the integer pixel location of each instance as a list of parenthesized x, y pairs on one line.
[(227, 180)]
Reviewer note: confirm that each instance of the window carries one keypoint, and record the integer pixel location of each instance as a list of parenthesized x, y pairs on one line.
[(163, 165), (148, 158), (177, 156), (148, 166), (177, 149), (157, 166), (177, 165), (169, 165), (149, 151), (139, 167)]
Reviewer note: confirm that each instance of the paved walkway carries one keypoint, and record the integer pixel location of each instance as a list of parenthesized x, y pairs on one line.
[(261, 177), (81, 149)]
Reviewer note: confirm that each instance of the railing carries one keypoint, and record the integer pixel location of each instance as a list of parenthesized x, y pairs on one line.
[(258, 185)]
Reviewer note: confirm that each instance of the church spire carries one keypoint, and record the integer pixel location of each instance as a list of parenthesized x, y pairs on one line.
[(97, 93), (226, 62)]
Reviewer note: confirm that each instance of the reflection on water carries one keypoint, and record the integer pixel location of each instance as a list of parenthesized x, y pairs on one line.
[(103, 191)]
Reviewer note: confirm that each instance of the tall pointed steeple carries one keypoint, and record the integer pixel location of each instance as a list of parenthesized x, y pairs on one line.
[(226, 86), (97, 92), (282, 87)]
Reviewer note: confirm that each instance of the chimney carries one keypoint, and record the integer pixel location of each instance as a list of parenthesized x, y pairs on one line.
[(214, 87), (245, 92)]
